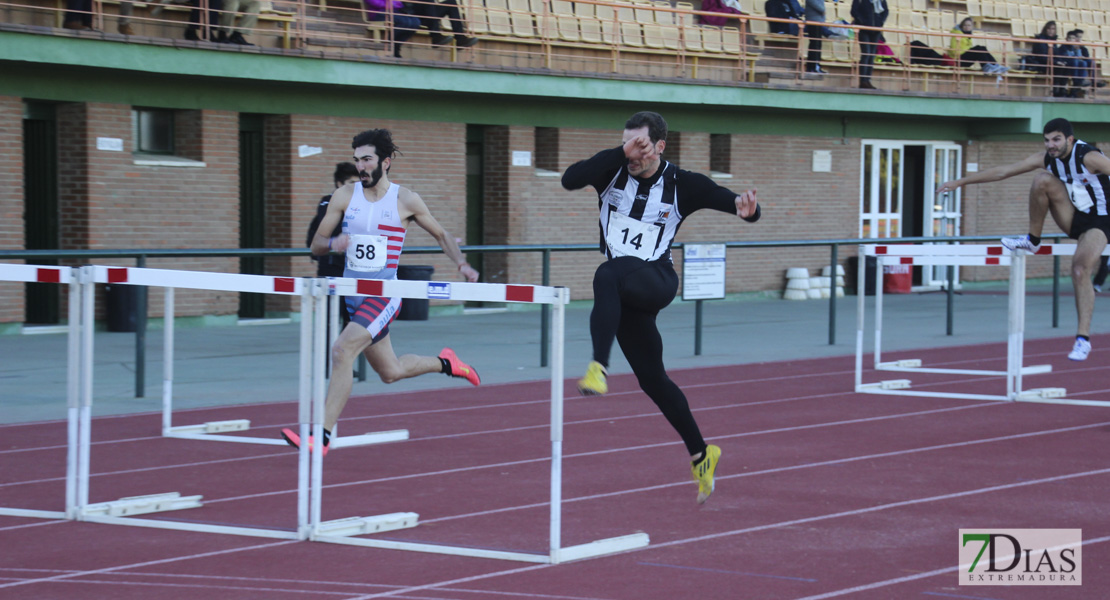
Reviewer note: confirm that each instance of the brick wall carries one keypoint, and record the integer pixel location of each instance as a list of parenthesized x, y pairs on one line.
[(11, 200)]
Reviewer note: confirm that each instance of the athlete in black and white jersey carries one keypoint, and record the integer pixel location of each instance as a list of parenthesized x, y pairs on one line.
[(375, 214), (643, 200), (1073, 184)]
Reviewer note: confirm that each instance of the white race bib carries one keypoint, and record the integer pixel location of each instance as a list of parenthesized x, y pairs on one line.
[(626, 236), (366, 253), (1080, 197)]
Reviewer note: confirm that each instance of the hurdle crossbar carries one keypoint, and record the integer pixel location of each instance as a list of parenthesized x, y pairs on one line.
[(973, 255), (61, 276), (558, 297)]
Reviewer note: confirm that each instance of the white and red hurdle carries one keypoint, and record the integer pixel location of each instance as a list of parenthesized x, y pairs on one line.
[(314, 294), (958, 255)]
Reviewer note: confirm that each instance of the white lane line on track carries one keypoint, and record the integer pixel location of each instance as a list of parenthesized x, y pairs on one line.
[(908, 578), (770, 526), (144, 564)]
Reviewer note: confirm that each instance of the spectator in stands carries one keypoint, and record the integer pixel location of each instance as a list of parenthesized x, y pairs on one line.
[(724, 7), (248, 19), (1085, 57), (431, 12), (192, 31), (79, 14), (966, 53), (1040, 53), (784, 9), (869, 13), (1075, 65), (815, 30), (922, 54), (404, 24)]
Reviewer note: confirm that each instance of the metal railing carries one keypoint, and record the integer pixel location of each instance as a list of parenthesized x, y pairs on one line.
[(545, 250)]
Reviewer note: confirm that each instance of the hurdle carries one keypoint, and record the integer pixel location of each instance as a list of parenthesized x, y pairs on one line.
[(958, 255), (76, 376), (342, 531), (215, 430)]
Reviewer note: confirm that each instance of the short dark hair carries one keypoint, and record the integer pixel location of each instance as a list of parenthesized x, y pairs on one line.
[(380, 139), (657, 127), (1074, 32), (1059, 125), (343, 172)]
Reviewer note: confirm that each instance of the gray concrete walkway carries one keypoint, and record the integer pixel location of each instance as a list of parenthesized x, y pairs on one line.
[(247, 364)]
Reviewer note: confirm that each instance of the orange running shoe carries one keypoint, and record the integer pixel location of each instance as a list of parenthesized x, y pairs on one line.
[(294, 440), (459, 368)]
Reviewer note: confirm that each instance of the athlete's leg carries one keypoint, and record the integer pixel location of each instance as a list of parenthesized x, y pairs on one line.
[(606, 313), (626, 281), (391, 368), (1048, 194), (639, 338), (1088, 253), (351, 341)]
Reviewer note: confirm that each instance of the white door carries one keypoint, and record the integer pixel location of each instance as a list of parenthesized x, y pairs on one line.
[(881, 185), (942, 215)]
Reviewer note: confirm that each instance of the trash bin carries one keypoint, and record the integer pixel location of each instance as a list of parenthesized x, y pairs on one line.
[(868, 277), (414, 309), (123, 303), (897, 279)]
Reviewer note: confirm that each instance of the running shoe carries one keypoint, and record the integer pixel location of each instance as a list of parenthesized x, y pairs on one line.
[(594, 384), (1020, 243), (703, 472), (1080, 350), (294, 440), (459, 368)]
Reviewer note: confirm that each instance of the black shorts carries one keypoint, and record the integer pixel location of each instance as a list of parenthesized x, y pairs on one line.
[(1082, 222)]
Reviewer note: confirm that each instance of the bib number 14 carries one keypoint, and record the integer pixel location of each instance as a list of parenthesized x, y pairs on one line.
[(628, 237)]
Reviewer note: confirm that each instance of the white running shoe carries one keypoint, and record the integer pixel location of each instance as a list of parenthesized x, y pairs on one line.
[(1080, 350), (1020, 243)]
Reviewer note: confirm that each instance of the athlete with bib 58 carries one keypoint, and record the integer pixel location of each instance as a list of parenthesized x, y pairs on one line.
[(643, 199), (375, 214), (1072, 182)]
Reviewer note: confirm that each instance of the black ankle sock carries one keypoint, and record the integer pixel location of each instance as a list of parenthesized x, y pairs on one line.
[(704, 455), (446, 366), (1036, 239), (1085, 338), (327, 437)]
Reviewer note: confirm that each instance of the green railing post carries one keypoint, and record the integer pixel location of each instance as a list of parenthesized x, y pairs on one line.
[(832, 295), (951, 295), (697, 327), (1055, 291), (545, 311), (140, 334)]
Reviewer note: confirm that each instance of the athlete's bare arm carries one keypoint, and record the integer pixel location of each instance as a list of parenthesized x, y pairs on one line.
[(1034, 162), (338, 205), (413, 208), (1097, 162)]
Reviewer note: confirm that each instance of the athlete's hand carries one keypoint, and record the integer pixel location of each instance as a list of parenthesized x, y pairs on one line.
[(948, 186), (339, 243), (469, 273), (746, 204), (639, 148)]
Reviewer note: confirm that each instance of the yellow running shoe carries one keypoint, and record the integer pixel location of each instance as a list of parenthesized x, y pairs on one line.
[(593, 384), (703, 472)]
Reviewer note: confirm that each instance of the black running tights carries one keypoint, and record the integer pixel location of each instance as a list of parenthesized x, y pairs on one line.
[(628, 294)]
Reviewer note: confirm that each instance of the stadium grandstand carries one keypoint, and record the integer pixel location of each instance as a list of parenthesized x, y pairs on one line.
[(140, 137)]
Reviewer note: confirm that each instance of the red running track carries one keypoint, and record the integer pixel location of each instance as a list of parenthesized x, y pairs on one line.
[(821, 492)]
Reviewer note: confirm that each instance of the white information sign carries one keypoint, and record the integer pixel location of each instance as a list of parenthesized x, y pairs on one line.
[(703, 271)]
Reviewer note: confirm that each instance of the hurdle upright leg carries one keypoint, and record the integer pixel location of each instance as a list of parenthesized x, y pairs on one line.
[(167, 361)]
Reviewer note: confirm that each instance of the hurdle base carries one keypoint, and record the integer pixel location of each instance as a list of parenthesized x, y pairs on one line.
[(908, 363), (600, 548), (366, 439), (32, 513), (141, 505), (212, 427), (888, 384), (1037, 370), (1042, 393), (366, 525)]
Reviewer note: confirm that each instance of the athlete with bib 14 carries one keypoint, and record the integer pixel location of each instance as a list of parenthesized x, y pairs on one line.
[(643, 200), (375, 214)]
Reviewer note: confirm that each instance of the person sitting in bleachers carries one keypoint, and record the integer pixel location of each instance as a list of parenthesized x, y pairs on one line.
[(404, 24), (727, 9), (431, 13), (784, 9), (1040, 53), (963, 50), (1074, 69)]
